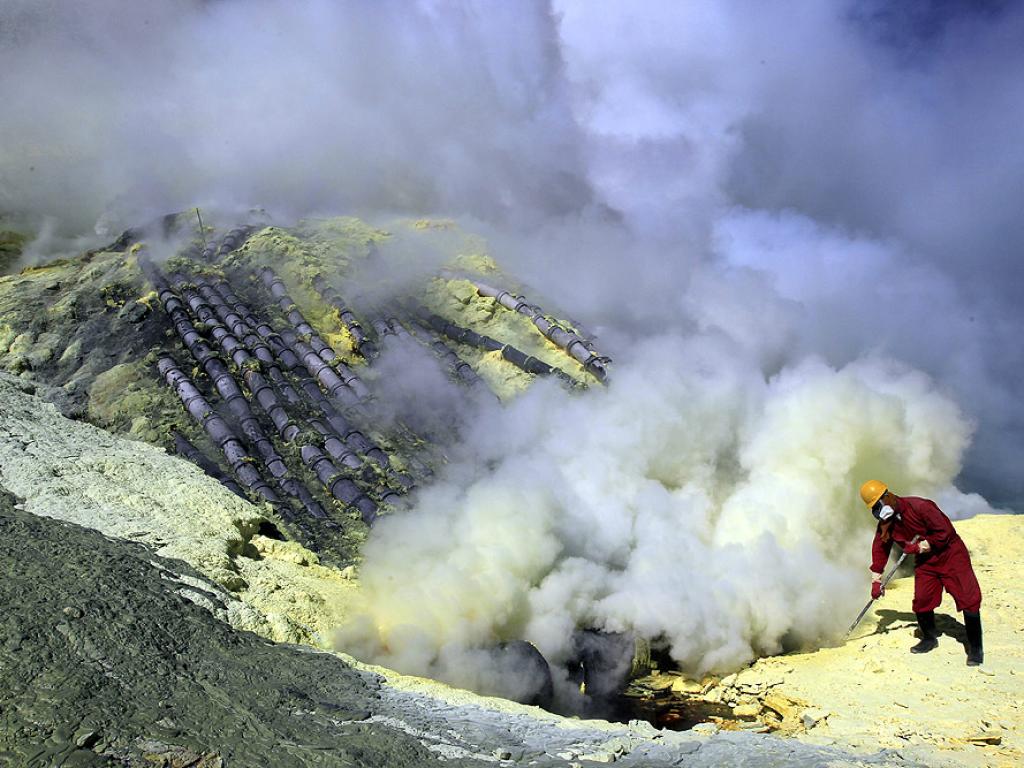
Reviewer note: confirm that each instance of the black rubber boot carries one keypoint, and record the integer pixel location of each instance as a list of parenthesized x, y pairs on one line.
[(975, 653), (929, 640)]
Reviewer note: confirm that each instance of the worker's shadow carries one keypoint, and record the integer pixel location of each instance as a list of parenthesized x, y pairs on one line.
[(944, 624)]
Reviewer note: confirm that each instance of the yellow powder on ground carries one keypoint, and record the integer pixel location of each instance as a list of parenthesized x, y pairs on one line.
[(480, 263), (871, 692), (327, 248), (504, 379), (303, 600)]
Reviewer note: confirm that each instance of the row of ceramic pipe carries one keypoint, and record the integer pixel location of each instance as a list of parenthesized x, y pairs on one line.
[(316, 354), (574, 345), (231, 394), (461, 370), (513, 355), (382, 327), (205, 309), (208, 299), (223, 436), (361, 343), (287, 357), (235, 238), (341, 440), (188, 450), (435, 327)]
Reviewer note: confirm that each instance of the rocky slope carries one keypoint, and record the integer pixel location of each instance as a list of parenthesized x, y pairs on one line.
[(87, 332), (105, 659)]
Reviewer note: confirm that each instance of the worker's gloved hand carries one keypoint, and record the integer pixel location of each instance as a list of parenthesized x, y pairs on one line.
[(877, 590), (916, 548)]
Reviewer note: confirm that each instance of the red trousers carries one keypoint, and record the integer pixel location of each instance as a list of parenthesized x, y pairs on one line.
[(950, 570)]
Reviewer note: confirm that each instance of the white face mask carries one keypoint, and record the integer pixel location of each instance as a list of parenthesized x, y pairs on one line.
[(886, 512)]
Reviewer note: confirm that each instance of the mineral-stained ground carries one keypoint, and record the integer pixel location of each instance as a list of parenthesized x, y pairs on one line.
[(110, 655), (105, 659), (151, 616)]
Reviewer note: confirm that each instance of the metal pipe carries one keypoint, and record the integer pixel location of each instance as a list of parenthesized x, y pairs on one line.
[(251, 339), (358, 391), (335, 446), (350, 440), (257, 385), (233, 240), (515, 356), (462, 370), (223, 381), (265, 331), (304, 337), (341, 439), (381, 328), (229, 390), (340, 488)]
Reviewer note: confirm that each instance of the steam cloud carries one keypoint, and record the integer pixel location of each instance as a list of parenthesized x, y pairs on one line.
[(116, 110), (795, 227)]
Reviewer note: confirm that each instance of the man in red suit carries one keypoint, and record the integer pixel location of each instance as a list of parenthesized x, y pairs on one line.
[(920, 528)]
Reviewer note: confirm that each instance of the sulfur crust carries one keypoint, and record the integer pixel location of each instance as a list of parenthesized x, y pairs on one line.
[(334, 247)]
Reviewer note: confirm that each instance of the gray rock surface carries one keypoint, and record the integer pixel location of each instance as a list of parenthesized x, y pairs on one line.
[(102, 662), (80, 473)]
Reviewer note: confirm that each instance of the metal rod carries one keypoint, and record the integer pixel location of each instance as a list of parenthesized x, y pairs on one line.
[(202, 230), (885, 581)]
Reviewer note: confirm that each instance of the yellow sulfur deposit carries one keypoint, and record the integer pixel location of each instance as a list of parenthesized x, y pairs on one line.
[(504, 379), (326, 247), (128, 398), (303, 600), (869, 692), (479, 263), (457, 300)]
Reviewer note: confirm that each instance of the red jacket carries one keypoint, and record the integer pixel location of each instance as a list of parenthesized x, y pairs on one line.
[(914, 517)]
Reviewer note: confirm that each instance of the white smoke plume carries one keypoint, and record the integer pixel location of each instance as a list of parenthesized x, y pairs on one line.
[(795, 227), (694, 502), (708, 498), (115, 112), (415, 391)]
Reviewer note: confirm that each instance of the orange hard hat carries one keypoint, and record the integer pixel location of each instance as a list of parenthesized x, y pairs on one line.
[(872, 491)]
